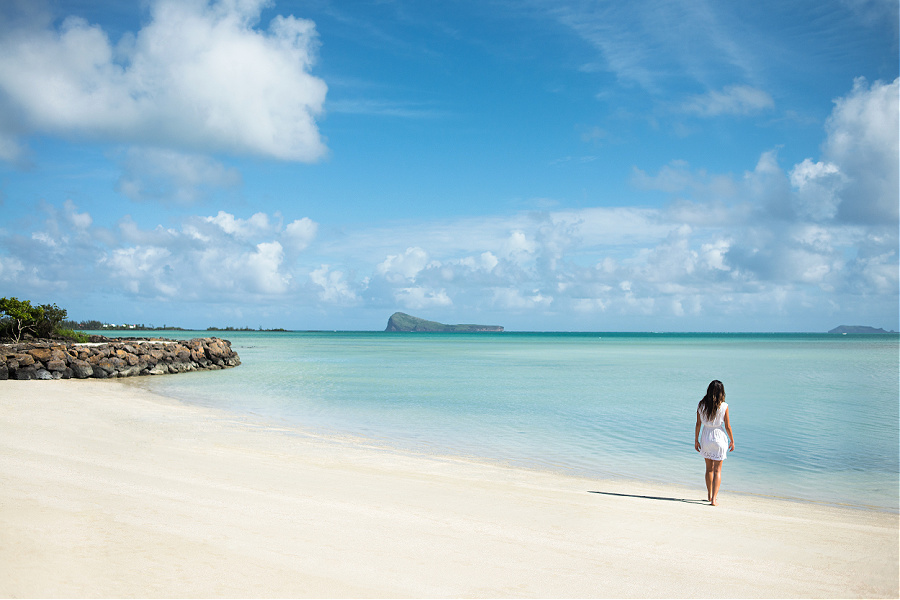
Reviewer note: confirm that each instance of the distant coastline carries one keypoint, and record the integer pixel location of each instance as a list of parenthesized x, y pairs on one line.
[(402, 322)]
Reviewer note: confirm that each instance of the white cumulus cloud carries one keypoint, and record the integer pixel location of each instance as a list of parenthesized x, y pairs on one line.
[(486, 261), (332, 287), (399, 267), (240, 228), (518, 247), (415, 298), (300, 233), (516, 299), (199, 76), (79, 221), (862, 141), (204, 257), (262, 268), (817, 187)]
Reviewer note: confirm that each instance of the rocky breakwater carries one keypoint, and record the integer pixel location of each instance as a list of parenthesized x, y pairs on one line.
[(113, 358)]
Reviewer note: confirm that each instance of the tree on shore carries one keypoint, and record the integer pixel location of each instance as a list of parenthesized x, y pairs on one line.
[(19, 317)]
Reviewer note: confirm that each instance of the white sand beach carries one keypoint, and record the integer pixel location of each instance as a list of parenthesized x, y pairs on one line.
[(107, 490)]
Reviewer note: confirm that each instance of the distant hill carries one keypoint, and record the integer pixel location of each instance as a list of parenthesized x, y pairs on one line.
[(403, 322), (858, 329)]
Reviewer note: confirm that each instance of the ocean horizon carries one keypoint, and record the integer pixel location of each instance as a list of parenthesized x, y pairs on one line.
[(815, 415)]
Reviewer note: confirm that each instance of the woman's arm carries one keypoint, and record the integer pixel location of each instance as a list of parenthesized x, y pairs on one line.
[(728, 430), (697, 434)]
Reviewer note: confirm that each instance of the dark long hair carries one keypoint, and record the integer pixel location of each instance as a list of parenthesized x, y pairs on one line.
[(715, 396)]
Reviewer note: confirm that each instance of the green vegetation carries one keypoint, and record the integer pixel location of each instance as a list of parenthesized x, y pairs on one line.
[(75, 336), (403, 322), (19, 318)]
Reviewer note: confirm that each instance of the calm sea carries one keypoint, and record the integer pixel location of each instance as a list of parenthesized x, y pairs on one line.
[(815, 417)]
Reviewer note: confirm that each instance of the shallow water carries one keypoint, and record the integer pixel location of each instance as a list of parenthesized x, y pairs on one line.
[(815, 417)]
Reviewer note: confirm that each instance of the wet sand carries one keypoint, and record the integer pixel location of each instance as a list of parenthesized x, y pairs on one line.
[(107, 490)]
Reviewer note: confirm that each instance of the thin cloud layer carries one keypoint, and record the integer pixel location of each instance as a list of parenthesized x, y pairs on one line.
[(649, 42), (731, 100), (198, 77), (166, 176)]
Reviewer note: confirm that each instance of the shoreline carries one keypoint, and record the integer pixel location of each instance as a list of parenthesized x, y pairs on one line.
[(422, 449), (111, 490), (387, 445)]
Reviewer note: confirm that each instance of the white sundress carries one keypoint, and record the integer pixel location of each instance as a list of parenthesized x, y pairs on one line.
[(713, 440)]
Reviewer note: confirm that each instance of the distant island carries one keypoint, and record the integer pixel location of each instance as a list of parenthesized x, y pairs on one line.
[(858, 329), (403, 322)]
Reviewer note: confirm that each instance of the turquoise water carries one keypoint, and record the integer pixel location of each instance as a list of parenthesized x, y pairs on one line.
[(815, 417)]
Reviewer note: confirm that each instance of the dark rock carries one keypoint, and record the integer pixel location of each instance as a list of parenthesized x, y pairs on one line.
[(130, 371), (26, 373), (56, 365), (41, 354), (82, 369), (218, 349), (25, 360)]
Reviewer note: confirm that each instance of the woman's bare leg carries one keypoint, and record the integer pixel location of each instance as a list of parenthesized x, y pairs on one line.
[(716, 481), (709, 478)]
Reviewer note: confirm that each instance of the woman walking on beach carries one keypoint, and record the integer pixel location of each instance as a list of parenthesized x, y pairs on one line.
[(712, 414)]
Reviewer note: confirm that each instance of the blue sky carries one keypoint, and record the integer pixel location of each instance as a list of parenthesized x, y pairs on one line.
[(544, 165)]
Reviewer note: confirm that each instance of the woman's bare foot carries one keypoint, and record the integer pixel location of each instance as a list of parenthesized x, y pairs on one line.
[(713, 502)]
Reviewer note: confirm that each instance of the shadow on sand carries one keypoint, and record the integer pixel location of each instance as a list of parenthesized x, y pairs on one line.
[(685, 500)]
